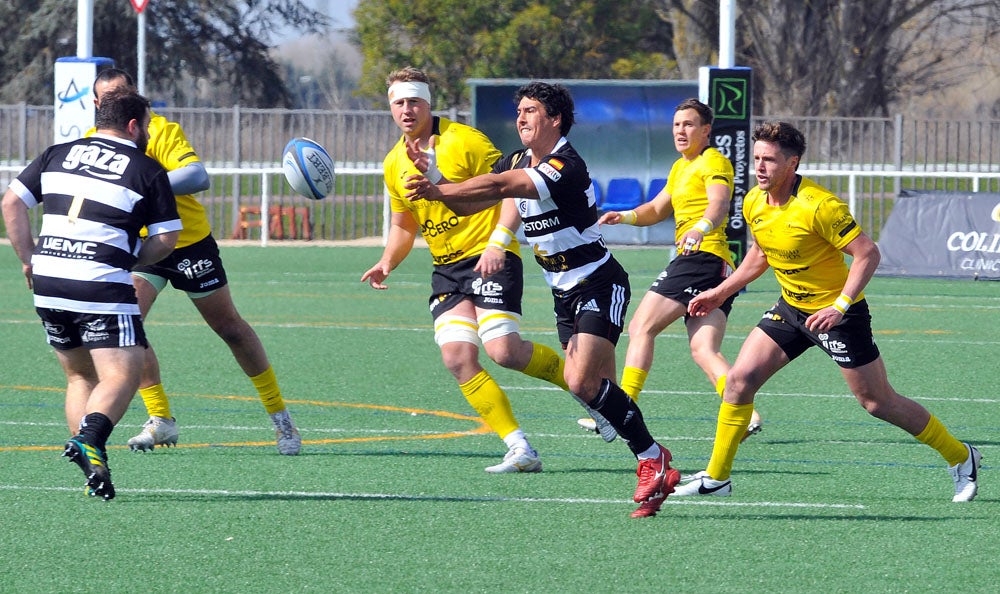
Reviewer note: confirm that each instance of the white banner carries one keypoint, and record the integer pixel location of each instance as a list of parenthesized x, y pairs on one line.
[(74, 97)]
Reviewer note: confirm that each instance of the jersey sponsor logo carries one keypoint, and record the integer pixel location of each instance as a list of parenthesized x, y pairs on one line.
[(487, 288), (98, 161), (95, 331), (834, 347), (589, 306), (446, 258), (208, 283), (549, 171), (193, 270), (542, 225), (791, 271), (67, 248), (433, 229), (55, 332)]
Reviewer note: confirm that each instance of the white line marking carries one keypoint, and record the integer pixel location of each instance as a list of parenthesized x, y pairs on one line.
[(445, 498)]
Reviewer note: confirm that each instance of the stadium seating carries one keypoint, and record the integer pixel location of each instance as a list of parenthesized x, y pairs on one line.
[(655, 185), (623, 193)]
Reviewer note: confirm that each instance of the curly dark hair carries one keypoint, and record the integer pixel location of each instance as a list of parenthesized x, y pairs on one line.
[(555, 98)]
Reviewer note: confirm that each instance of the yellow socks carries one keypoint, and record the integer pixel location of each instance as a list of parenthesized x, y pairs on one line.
[(546, 364), (732, 424), (270, 394), (937, 436), (633, 379), (485, 395), (720, 385), (155, 399)]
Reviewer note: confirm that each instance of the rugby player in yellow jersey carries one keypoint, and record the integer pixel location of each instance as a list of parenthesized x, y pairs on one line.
[(697, 193), (802, 231), (194, 267), (477, 282)]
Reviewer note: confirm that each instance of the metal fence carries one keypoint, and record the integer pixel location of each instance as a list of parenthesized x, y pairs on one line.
[(865, 160)]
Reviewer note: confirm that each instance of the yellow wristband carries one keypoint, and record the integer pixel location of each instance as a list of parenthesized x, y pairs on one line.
[(501, 237), (629, 217), (703, 226), (843, 303)]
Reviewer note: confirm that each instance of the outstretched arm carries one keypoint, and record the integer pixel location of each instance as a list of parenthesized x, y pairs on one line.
[(476, 193)]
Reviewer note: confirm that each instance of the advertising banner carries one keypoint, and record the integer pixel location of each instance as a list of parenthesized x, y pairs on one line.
[(942, 234), (727, 91), (74, 98)]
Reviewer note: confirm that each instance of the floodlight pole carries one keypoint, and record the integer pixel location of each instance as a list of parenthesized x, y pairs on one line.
[(85, 28), (727, 33)]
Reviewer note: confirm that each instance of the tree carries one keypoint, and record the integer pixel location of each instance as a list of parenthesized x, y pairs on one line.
[(453, 40), (850, 57), (191, 45)]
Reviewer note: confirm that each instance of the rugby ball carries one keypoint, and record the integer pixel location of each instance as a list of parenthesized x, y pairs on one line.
[(308, 168)]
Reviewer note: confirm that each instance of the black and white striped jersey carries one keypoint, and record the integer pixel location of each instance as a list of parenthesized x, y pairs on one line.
[(96, 193), (561, 225)]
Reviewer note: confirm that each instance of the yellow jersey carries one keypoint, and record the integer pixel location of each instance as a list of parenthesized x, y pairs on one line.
[(802, 240), (170, 148), (687, 185), (462, 152)]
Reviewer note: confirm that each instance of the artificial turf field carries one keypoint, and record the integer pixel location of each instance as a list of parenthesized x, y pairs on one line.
[(389, 493)]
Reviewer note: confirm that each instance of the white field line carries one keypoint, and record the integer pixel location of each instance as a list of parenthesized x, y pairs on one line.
[(443, 498)]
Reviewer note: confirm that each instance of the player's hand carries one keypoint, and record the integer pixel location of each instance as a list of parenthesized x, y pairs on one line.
[(491, 261), (611, 217), (421, 188), (690, 243), (824, 319), (425, 160), (376, 276), (26, 269), (704, 302)]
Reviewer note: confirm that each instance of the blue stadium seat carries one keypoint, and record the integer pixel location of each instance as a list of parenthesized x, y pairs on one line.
[(655, 185), (624, 193)]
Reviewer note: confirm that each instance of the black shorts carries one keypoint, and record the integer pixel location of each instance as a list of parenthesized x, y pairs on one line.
[(66, 330), (195, 268), (455, 282), (686, 276), (850, 343), (596, 305)]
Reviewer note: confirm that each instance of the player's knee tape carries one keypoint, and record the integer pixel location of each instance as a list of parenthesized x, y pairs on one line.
[(495, 323), (455, 329)]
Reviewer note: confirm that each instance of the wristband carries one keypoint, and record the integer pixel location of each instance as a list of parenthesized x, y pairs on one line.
[(629, 217), (433, 174), (501, 237), (843, 303), (703, 226)]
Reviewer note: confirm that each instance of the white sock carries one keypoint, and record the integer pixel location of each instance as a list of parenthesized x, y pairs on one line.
[(652, 452), (517, 438)]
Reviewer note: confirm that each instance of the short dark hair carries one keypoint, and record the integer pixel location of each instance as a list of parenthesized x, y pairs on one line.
[(555, 98), (110, 74), (704, 112), (118, 108), (785, 135)]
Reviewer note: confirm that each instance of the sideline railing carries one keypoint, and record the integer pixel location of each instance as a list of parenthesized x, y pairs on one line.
[(359, 207)]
